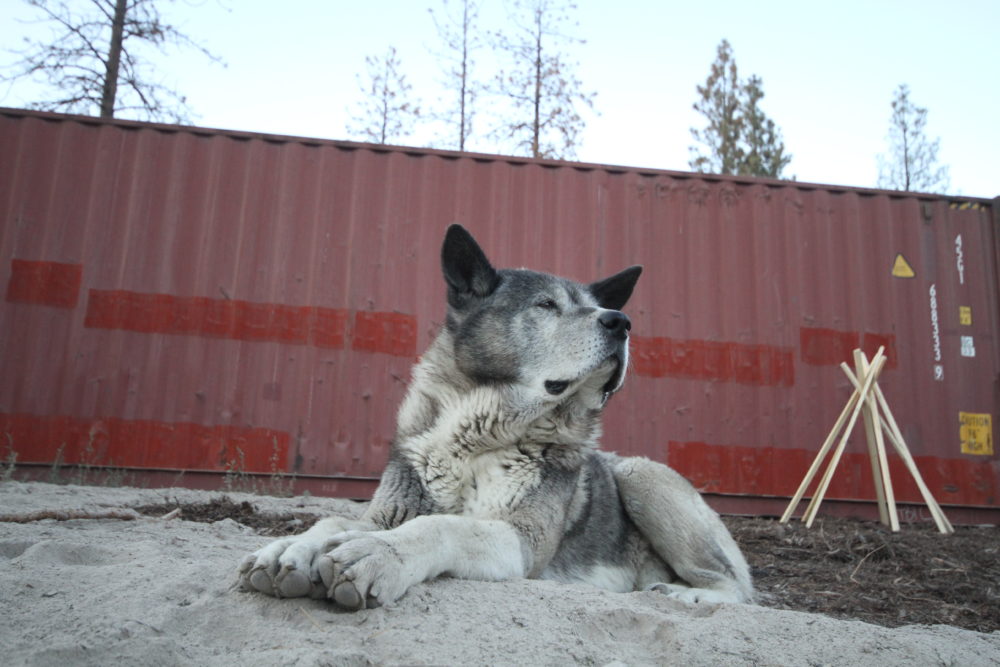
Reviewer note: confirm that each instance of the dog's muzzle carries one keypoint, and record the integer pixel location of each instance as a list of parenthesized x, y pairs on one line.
[(616, 326)]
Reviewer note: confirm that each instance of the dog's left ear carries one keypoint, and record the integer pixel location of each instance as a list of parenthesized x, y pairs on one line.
[(614, 292)]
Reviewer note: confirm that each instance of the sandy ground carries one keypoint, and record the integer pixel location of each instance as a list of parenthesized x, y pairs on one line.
[(99, 591)]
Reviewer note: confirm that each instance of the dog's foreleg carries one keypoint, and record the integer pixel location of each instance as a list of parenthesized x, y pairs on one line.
[(371, 569)]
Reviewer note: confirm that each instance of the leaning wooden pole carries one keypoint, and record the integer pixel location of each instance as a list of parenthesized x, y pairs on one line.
[(807, 480), (876, 449)]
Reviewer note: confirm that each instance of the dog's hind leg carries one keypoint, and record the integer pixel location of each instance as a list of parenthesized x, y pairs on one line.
[(684, 531)]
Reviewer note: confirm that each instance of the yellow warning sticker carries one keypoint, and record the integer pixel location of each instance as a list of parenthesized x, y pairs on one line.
[(976, 433), (901, 268), (965, 315)]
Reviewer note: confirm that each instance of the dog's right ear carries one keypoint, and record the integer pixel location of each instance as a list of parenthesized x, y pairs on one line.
[(466, 269)]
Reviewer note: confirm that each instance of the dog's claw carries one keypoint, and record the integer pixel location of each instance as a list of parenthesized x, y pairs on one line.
[(246, 564), (340, 590), (328, 571)]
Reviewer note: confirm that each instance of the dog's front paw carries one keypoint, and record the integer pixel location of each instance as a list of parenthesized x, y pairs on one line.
[(287, 567), (284, 568), (364, 571)]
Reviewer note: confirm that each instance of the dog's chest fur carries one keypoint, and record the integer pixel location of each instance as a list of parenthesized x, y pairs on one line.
[(495, 481), (474, 455), (479, 484)]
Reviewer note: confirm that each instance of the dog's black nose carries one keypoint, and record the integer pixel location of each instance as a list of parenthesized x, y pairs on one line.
[(616, 322)]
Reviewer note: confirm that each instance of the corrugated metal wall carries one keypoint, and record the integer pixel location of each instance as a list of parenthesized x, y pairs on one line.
[(180, 298)]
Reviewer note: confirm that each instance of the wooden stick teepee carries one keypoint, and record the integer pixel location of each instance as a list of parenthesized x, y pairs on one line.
[(868, 400)]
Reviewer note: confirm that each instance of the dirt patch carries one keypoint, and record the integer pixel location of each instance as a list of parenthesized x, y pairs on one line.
[(270, 524), (843, 568)]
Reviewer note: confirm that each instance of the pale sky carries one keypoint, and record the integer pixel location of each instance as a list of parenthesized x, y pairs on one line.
[(829, 71)]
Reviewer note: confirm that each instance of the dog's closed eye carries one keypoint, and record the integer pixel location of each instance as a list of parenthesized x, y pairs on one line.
[(547, 304)]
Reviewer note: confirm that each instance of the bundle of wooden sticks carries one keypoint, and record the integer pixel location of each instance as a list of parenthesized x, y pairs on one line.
[(868, 400)]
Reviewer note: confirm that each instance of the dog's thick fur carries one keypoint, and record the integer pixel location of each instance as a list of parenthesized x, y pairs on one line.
[(495, 473)]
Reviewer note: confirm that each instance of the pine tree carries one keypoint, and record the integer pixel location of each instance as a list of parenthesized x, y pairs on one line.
[(719, 103), (764, 152), (912, 161), (739, 138)]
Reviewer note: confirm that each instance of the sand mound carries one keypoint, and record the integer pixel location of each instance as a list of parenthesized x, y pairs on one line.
[(86, 579)]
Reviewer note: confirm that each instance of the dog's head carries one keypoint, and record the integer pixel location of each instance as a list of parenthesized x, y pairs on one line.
[(553, 337)]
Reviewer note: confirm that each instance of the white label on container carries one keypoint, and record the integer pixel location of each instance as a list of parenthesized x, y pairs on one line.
[(936, 334), (968, 346), (959, 260)]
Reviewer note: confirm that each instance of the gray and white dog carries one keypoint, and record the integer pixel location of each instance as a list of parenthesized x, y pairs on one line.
[(494, 472)]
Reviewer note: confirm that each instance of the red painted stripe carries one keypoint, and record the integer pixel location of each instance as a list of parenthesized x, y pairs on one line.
[(392, 333), (388, 333), (762, 365), (44, 283), (830, 347), (144, 443), (772, 471)]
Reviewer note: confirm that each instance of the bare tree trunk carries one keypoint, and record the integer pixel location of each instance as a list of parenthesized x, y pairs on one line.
[(535, 139), (383, 133), (465, 75), (906, 159), (114, 60)]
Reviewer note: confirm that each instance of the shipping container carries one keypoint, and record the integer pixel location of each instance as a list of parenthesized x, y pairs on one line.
[(181, 299)]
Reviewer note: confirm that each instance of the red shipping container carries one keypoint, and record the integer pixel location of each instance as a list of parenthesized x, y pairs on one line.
[(176, 295)]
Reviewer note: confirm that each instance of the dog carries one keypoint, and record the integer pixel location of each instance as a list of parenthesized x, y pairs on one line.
[(495, 472)]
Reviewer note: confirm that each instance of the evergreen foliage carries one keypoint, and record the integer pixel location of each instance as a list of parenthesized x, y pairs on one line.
[(739, 138)]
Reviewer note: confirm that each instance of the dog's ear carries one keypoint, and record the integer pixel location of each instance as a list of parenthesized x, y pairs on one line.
[(466, 269), (614, 292)]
